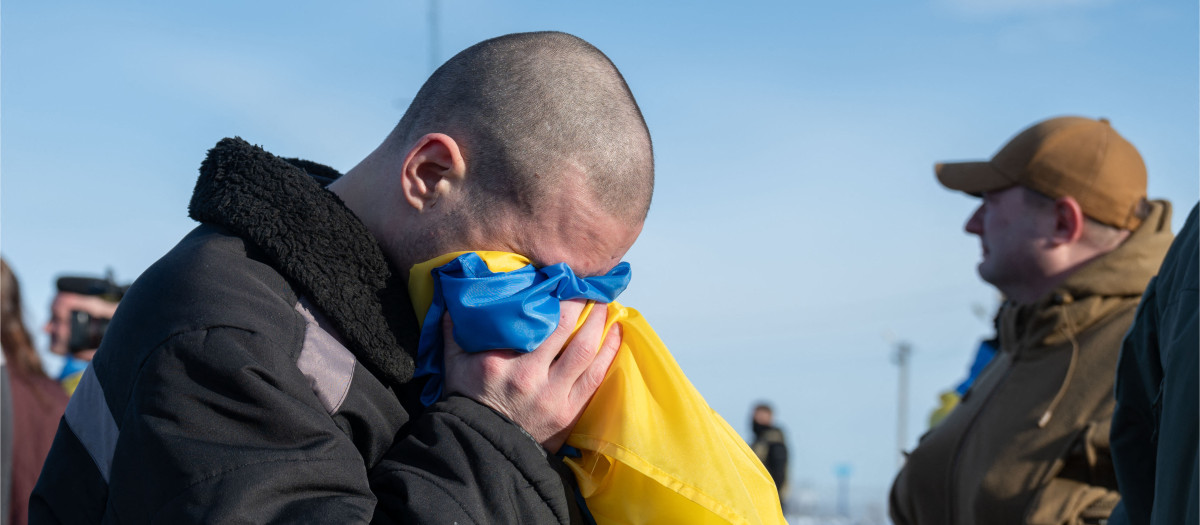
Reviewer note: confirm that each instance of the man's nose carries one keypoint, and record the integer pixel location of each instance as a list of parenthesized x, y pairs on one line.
[(975, 223)]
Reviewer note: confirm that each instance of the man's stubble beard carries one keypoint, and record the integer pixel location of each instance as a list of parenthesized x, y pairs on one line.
[(413, 246)]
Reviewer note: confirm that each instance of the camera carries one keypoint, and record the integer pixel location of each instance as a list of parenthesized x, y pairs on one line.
[(86, 331)]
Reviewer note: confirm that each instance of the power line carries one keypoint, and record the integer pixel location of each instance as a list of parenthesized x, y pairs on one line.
[(434, 61)]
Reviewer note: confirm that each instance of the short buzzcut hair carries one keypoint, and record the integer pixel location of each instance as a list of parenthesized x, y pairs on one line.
[(527, 107), (1095, 232)]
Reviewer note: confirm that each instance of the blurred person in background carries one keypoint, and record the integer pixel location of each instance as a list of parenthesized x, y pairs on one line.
[(1156, 425), (770, 447), (79, 316), (6, 434), (1070, 239), (984, 353), (37, 401)]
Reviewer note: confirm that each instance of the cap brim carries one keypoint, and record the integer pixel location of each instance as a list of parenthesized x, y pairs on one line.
[(971, 177)]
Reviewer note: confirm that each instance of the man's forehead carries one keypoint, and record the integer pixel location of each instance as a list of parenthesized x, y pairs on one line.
[(67, 298), (573, 230), (1002, 192), (580, 263)]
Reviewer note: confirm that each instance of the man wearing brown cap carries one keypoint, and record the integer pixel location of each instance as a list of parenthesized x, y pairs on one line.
[(1070, 239)]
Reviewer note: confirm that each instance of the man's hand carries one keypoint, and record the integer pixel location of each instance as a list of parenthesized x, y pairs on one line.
[(544, 391)]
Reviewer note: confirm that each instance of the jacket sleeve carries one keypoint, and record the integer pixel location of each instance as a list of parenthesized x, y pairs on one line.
[(464, 463), (1083, 491), (898, 499), (1154, 428), (220, 427), (1135, 417)]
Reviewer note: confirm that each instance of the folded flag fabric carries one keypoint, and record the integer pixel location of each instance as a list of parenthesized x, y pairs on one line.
[(515, 309), (651, 449)]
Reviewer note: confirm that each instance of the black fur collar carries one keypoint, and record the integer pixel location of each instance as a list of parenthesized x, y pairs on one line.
[(317, 243)]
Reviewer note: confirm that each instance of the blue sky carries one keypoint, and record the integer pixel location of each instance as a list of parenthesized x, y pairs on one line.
[(796, 227)]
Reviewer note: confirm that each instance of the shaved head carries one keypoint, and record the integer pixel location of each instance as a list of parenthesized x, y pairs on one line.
[(528, 143), (537, 114)]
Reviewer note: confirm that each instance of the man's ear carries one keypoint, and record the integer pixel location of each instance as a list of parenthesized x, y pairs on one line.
[(1068, 220), (433, 168)]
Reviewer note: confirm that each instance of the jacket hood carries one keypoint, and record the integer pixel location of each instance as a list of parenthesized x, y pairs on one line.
[(1127, 269), (1080, 300), (312, 238)]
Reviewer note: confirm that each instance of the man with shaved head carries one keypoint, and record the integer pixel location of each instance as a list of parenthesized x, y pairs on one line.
[(262, 370)]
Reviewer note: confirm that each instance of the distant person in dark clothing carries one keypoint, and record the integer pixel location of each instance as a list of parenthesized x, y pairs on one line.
[(6, 434), (770, 447), (1154, 427), (37, 401)]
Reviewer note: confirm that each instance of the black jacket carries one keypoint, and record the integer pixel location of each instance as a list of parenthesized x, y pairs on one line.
[(772, 451), (260, 372), (1155, 429)]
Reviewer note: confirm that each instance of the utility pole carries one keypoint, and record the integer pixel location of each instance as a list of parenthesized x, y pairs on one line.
[(903, 351), (433, 36)]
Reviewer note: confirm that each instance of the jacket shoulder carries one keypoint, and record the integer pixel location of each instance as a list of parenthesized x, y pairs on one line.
[(211, 279)]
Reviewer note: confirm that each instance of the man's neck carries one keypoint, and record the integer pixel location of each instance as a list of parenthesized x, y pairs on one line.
[(1031, 293), (1035, 290), (371, 196)]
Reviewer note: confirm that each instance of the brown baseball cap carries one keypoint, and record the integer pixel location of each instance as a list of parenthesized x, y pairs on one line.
[(1075, 156)]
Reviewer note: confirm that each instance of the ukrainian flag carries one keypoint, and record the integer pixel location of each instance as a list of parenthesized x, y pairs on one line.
[(651, 449)]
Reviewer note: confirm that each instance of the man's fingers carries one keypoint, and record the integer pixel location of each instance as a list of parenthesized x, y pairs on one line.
[(543, 395), (591, 378), (449, 345), (568, 315), (581, 351)]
